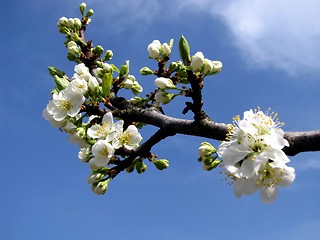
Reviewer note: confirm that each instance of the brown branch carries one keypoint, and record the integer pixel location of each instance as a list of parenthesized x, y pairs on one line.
[(299, 141)]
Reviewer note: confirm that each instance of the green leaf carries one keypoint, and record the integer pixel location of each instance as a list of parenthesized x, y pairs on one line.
[(184, 50), (106, 84)]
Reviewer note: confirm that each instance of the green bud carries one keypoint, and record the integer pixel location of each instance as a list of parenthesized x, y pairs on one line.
[(184, 50), (206, 150), (108, 56), (61, 82), (55, 71), (208, 160), (136, 88), (77, 23), (72, 57), (82, 7), (137, 101), (124, 69), (211, 166), (90, 13), (100, 188), (98, 50), (141, 167), (161, 164), (146, 71), (94, 177), (173, 67)]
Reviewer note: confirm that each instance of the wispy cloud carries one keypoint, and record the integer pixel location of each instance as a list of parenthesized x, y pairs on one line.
[(273, 34)]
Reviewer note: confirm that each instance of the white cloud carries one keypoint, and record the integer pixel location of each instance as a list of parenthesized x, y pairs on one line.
[(270, 34), (275, 34)]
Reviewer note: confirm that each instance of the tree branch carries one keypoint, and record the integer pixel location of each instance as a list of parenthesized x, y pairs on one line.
[(299, 141)]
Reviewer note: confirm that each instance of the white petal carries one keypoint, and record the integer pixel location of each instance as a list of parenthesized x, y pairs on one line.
[(268, 194)]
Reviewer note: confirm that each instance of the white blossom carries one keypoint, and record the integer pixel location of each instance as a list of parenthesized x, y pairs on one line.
[(79, 84), (103, 130), (102, 151), (65, 103), (130, 138), (253, 156)]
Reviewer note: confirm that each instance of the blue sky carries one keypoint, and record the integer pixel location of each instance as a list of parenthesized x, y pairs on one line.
[(270, 51)]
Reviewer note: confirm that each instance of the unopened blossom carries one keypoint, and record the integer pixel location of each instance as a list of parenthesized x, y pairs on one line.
[(92, 83), (165, 49), (197, 61), (154, 49), (129, 81), (163, 97), (65, 103), (164, 83), (84, 154), (103, 130), (73, 48), (130, 138), (206, 150)]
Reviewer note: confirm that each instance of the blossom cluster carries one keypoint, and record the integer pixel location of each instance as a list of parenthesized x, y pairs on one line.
[(253, 158), (97, 136)]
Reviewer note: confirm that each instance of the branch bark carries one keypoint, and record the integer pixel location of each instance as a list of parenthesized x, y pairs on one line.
[(299, 141)]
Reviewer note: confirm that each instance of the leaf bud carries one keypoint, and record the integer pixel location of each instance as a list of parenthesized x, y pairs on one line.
[(61, 82), (55, 71), (184, 50)]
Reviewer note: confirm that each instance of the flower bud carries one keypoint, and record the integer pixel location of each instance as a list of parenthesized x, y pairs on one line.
[(90, 13), (164, 83), (101, 187), (137, 101), (154, 49), (208, 66), (173, 67), (62, 22), (161, 164), (211, 166), (108, 56), (165, 49), (98, 50), (136, 88), (141, 167), (94, 177), (73, 48), (107, 67), (77, 23), (146, 71), (92, 83), (217, 67), (206, 150), (124, 70), (82, 7), (197, 61), (163, 97)]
